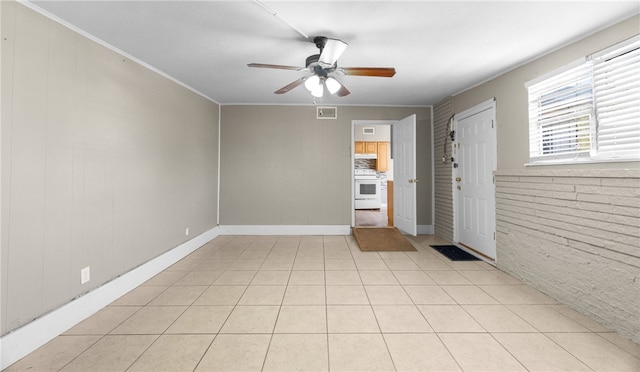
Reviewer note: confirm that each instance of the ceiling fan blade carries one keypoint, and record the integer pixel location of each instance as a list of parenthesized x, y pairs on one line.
[(290, 86), (279, 67), (343, 92), (331, 51), (367, 71)]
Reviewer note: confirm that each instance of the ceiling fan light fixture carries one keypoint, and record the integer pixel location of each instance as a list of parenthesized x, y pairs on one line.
[(321, 65), (312, 82), (318, 90), (315, 86), (333, 85)]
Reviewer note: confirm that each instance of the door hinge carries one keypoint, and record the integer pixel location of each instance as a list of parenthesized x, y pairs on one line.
[(492, 123), (494, 235)]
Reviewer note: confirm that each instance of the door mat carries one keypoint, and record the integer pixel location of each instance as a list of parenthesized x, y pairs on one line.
[(454, 253), (372, 239)]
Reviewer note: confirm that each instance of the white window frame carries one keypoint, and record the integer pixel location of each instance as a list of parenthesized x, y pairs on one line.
[(591, 109)]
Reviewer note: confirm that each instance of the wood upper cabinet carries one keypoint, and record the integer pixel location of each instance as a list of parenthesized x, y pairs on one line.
[(365, 147), (382, 163), (379, 148), (370, 147)]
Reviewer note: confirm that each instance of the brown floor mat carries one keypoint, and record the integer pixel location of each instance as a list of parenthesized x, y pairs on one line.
[(381, 239)]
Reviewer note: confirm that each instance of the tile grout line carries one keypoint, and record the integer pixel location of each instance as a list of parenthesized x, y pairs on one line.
[(215, 336), (266, 354), (384, 340), (223, 323), (326, 305), (103, 336), (256, 247)]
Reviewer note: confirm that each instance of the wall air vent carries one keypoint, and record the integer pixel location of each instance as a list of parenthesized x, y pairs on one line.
[(368, 130), (324, 112)]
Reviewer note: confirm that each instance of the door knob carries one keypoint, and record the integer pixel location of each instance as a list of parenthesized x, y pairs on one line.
[(413, 180), (459, 187), (458, 179)]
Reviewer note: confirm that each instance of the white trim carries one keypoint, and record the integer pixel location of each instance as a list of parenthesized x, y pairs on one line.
[(554, 72), (285, 230), (103, 43), (614, 47), (574, 161), (480, 107), (433, 174), (548, 52), (19, 343), (219, 162), (307, 104), (352, 156), (489, 104), (352, 160), (321, 117)]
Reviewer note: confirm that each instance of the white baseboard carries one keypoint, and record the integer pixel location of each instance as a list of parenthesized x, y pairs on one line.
[(17, 344), (301, 229), (285, 230), (426, 229)]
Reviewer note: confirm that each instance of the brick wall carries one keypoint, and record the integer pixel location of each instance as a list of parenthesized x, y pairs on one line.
[(575, 235)]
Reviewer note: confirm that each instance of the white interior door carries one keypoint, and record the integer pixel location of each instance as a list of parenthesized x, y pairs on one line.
[(404, 175), (473, 185)]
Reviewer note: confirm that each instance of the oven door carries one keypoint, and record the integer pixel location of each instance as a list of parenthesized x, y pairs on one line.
[(367, 189)]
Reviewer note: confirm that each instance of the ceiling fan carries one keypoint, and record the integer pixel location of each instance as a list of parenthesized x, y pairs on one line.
[(323, 64)]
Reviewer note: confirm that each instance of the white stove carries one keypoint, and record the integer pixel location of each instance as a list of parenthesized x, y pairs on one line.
[(367, 189), (365, 174)]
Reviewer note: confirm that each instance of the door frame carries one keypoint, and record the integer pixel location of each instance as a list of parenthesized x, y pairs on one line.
[(486, 105), (353, 160)]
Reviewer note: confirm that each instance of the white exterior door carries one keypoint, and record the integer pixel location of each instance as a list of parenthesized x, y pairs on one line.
[(404, 175), (473, 184)]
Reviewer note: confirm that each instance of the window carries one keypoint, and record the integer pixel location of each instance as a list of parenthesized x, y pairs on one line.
[(590, 111)]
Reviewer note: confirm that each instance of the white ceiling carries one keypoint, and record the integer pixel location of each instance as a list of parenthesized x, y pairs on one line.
[(438, 48)]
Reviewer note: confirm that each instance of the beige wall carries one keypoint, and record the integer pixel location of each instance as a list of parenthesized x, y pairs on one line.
[(557, 225), (282, 166), (382, 133), (104, 164)]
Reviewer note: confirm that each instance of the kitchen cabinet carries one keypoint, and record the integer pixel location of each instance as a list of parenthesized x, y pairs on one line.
[(370, 147), (382, 163), (381, 149), (365, 147)]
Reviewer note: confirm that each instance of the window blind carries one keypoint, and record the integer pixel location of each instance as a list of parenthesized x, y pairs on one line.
[(590, 110), (561, 114), (616, 74)]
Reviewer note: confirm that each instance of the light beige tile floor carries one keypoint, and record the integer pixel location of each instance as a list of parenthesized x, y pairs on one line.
[(316, 303)]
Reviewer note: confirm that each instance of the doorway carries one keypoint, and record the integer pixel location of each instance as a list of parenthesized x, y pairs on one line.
[(398, 176), (372, 167), (473, 183)]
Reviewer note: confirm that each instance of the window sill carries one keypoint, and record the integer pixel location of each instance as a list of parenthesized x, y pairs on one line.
[(578, 161)]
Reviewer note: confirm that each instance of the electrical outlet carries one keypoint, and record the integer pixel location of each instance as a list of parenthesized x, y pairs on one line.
[(85, 275), (186, 232)]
